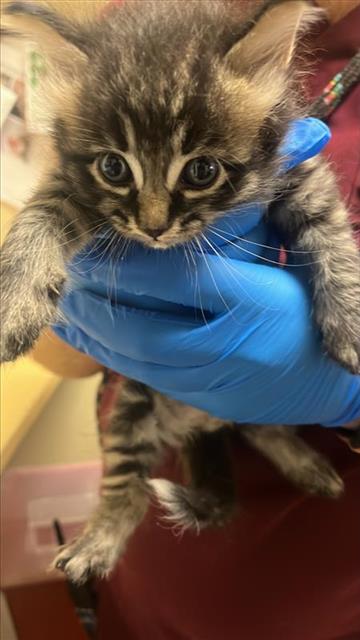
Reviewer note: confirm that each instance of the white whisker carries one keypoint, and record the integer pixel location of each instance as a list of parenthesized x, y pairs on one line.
[(199, 290), (80, 235), (212, 275), (260, 257), (259, 244), (234, 272)]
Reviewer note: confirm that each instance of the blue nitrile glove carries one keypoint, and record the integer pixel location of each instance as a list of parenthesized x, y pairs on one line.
[(236, 339)]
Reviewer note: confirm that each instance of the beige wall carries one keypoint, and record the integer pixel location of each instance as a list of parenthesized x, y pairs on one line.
[(65, 432)]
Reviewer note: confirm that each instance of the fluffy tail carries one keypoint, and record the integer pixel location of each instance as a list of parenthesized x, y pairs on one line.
[(190, 508)]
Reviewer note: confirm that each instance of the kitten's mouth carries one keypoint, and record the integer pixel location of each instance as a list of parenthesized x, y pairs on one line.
[(159, 243), (172, 237)]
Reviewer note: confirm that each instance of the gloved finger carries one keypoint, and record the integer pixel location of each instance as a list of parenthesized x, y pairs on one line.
[(209, 283), (217, 286), (142, 335), (304, 139), (160, 377), (196, 388), (169, 339), (93, 266), (186, 341)]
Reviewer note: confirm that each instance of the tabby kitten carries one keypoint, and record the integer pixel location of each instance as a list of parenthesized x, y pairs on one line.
[(166, 115)]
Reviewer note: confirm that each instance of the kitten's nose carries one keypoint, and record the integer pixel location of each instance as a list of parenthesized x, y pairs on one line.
[(154, 232)]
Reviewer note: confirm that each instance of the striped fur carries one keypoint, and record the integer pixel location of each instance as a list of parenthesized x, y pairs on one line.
[(142, 426), (162, 86)]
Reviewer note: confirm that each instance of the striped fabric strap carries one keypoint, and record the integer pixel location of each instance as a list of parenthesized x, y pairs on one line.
[(336, 90)]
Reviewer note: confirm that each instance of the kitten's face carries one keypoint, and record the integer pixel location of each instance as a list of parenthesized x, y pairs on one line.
[(165, 137)]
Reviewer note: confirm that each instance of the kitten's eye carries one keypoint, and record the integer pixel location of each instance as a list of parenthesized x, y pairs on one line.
[(200, 173), (115, 169)]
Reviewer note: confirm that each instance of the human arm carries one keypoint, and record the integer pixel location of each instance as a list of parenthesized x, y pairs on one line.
[(59, 357)]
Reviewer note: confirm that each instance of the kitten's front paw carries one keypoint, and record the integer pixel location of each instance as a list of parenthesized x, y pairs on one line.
[(17, 343), (337, 312), (318, 477), (26, 309), (339, 322)]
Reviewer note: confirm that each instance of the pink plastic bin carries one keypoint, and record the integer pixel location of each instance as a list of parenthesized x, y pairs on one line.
[(32, 498)]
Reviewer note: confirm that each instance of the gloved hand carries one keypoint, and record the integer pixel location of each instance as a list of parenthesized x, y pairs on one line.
[(234, 338)]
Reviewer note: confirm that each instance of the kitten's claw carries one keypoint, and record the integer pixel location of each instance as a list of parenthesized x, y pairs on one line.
[(23, 317), (90, 555), (319, 478), (61, 563)]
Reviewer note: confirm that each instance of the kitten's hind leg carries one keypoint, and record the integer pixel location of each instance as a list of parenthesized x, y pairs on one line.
[(209, 499), (131, 446), (104, 539), (295, 459)]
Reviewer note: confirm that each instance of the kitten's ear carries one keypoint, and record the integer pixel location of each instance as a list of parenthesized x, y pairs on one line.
[(272, 38), (52, 24)]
